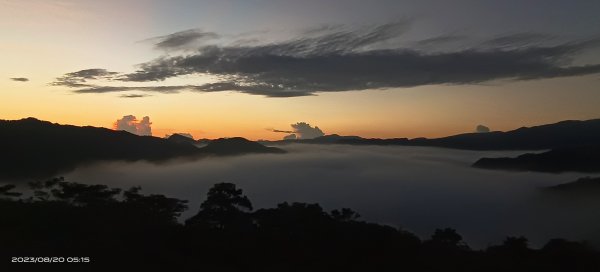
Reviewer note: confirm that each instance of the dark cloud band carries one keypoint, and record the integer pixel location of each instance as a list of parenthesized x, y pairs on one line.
[(19, 79), (133, 95), (183, 39), (80, 78), (334, 59)]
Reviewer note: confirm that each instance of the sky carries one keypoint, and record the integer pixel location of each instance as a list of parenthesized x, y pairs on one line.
[(245, 68)]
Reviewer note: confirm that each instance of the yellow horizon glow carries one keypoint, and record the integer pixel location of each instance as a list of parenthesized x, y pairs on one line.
[(428, 111)]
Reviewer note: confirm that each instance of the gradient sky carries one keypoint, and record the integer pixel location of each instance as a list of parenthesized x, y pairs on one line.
[(43, 41)]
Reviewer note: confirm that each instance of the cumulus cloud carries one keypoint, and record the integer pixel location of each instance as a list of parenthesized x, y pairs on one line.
[(182, 39), (482, 129), (301, 130), (19, 79), (305, 131), (131, 124), (333, 59)]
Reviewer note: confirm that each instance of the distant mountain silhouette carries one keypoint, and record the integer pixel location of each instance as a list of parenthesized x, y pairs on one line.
[(583, 158), (561, 134), (333, 138), (32, 148), (235, 146), (582, 186), (178, 138), (327, 139), (575, 146)]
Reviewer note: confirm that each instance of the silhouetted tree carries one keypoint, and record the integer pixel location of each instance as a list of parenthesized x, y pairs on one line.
[(83, 194), (160, 207), (571, 256), (224, 208), (5, 191), (562, 245), (41, 189), (511, 246), (345, 215), (74, 193), (448, 239), (516, 243), (293, 218), (65, 219)]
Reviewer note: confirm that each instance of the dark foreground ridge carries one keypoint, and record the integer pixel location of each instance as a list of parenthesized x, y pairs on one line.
[(129, 231), (566, 159), (586, 186), (38, 149)]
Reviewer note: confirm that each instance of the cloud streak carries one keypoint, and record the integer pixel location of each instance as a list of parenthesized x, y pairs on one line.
[(19, 79), (183, 39), (111, 89), (133, 95), (80, 78), (282, 131), (335, 59)]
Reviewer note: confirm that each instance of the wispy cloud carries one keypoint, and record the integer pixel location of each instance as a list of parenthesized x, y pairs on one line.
[(19, 79), (439, 41), (519, 39), (334, 59), (183, 39), (80, 78), (133, 95), (111, 89)]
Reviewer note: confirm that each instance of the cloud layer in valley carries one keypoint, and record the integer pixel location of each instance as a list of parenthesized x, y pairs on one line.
[(416, 188), (338, 58)]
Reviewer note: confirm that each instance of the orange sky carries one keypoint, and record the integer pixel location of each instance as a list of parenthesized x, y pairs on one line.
[(43, 40), (429, 111)]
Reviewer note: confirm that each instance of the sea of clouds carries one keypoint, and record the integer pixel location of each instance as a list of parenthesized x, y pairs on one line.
[(416, 188)]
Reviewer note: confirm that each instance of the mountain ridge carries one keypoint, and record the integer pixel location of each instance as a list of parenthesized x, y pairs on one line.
[(560, 134), (35, 148)]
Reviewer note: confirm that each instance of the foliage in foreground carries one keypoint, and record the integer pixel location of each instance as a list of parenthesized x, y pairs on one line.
[(126, 229)]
